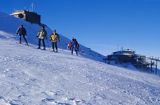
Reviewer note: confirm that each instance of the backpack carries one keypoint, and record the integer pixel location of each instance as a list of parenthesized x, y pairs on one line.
[(69, 44)]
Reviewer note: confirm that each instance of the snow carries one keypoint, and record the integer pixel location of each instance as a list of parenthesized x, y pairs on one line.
[(29, 76)]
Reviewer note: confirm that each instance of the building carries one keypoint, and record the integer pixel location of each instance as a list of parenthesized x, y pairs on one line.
[(29, 16), (129, 56), (123, 56)]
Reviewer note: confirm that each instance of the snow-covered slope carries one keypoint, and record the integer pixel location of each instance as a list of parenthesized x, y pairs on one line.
[(35, 77), (9, 24)]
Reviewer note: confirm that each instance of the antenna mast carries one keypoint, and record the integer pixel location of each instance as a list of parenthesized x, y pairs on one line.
[(33, 7)]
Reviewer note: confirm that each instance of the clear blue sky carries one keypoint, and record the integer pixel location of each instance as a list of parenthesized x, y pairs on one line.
[(102, 25)]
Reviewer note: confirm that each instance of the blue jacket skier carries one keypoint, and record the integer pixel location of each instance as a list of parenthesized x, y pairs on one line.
[(74, 46)]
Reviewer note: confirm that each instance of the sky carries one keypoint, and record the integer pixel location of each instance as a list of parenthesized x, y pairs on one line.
[(102, 25)]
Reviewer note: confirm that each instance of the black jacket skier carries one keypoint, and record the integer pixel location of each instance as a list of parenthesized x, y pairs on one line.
[(22, 33)]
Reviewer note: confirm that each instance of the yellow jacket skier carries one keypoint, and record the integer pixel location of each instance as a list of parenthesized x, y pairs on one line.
[(54, 38)]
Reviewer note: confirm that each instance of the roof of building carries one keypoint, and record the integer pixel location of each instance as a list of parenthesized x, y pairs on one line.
[(23, 11)]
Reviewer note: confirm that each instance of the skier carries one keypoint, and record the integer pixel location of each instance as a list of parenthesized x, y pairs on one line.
[(22, 33), (42, 34), (54, 38), (75, 46)]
